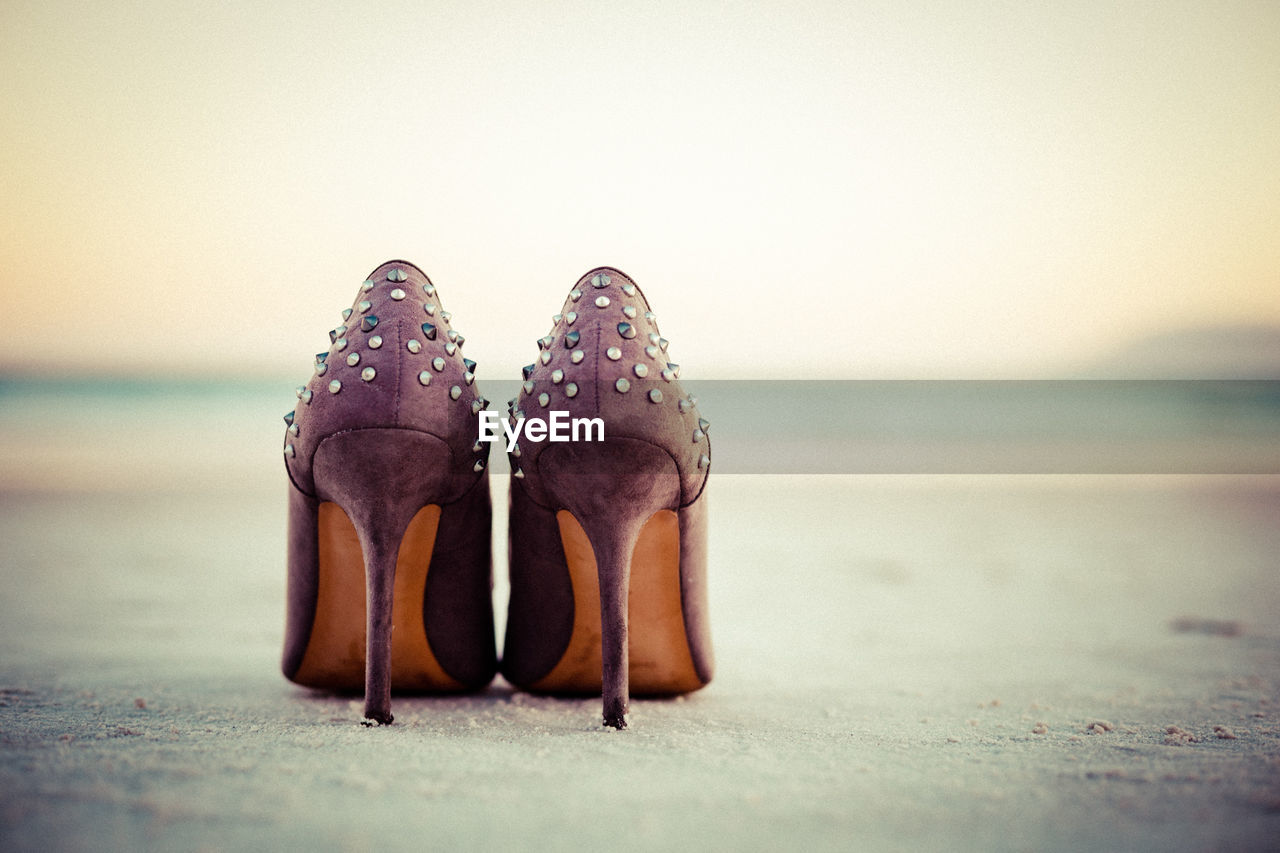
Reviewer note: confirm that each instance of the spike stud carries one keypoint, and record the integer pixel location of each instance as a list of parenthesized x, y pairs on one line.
[(438, 363), (655, 396), (396, 274), (413, 345), (335, 386), (368, 373), (571, 390), (455, 392), (602, 302), (424, 378), (641, 371), (398, 294), (613, 353), (623, 385)]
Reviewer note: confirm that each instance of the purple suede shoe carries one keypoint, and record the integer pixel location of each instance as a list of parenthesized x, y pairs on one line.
[(389, 511), (608, 532)]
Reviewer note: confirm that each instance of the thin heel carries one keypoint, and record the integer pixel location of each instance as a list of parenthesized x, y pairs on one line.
[(381, 478), (612, 509)]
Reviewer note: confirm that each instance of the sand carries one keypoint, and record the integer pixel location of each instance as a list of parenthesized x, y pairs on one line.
[(967, 663)]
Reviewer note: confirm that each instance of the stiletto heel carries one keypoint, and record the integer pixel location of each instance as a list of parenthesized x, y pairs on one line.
[(389, 492), (608, 537)]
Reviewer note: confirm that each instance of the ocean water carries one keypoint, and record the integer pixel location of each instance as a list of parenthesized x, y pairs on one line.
[(226, 436)]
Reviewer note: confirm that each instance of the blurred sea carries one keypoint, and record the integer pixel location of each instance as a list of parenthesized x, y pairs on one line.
[(72, 435)]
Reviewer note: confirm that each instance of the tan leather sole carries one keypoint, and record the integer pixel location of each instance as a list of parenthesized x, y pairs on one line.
[(335, 652), (657, 645)]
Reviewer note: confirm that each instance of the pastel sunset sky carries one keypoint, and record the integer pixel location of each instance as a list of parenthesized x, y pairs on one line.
[(942, 189)]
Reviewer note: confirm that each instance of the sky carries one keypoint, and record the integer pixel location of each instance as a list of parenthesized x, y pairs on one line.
[(802, 189)]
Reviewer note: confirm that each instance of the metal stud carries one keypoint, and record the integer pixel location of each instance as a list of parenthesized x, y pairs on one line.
[(557, 376), (429, 331), (704, 460), (375, 342), (306, 396), (528, 386), (575, 294), (455, 392), (461, 340), (429, 308), (288, 419), (627, 330), (704, 424), (479, 466), (514, 450), (413, 345), (469, 364), (451, 335), (366, 286), (698, 435), (545, 357), (655, 396), (571, 317), (653, 338), (651, 317), (396, 274), (293, 429), (546, 342), (556, 318), (577, 356), (451, 348), (288, 450), (353, 359), (364, 305), (571, 339), (438, 363), (543, 399), (613, 353), (333, 335), (298, 391), (629, 311), (571, 390), (397, 294), (629, 289), (321, 368), (478, 404), (429, 289), (600, 280), (368, 324), (346, 313), (668, 374), (321, 356), (602, 302), (527, 370), (623, 385), (335, 386), (518, 474), (478, 446), (368, 373), (341, 330), (673, 367), (662, 344), (651, 351), (446, 316), (424, 378), (468, 377), (684, 405), (340, 344), (641, 370)]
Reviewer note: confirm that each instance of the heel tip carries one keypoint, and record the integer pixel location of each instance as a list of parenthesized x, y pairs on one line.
[(372, 720), (618, 722)]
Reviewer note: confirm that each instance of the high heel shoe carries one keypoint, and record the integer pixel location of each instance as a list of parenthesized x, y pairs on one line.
[(608, 538), (389, 510)]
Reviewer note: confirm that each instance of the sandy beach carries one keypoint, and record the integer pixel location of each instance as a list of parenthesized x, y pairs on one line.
[(947, 662)]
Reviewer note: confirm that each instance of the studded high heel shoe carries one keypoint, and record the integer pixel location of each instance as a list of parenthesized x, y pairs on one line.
[(608, 537), (389, 511)]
